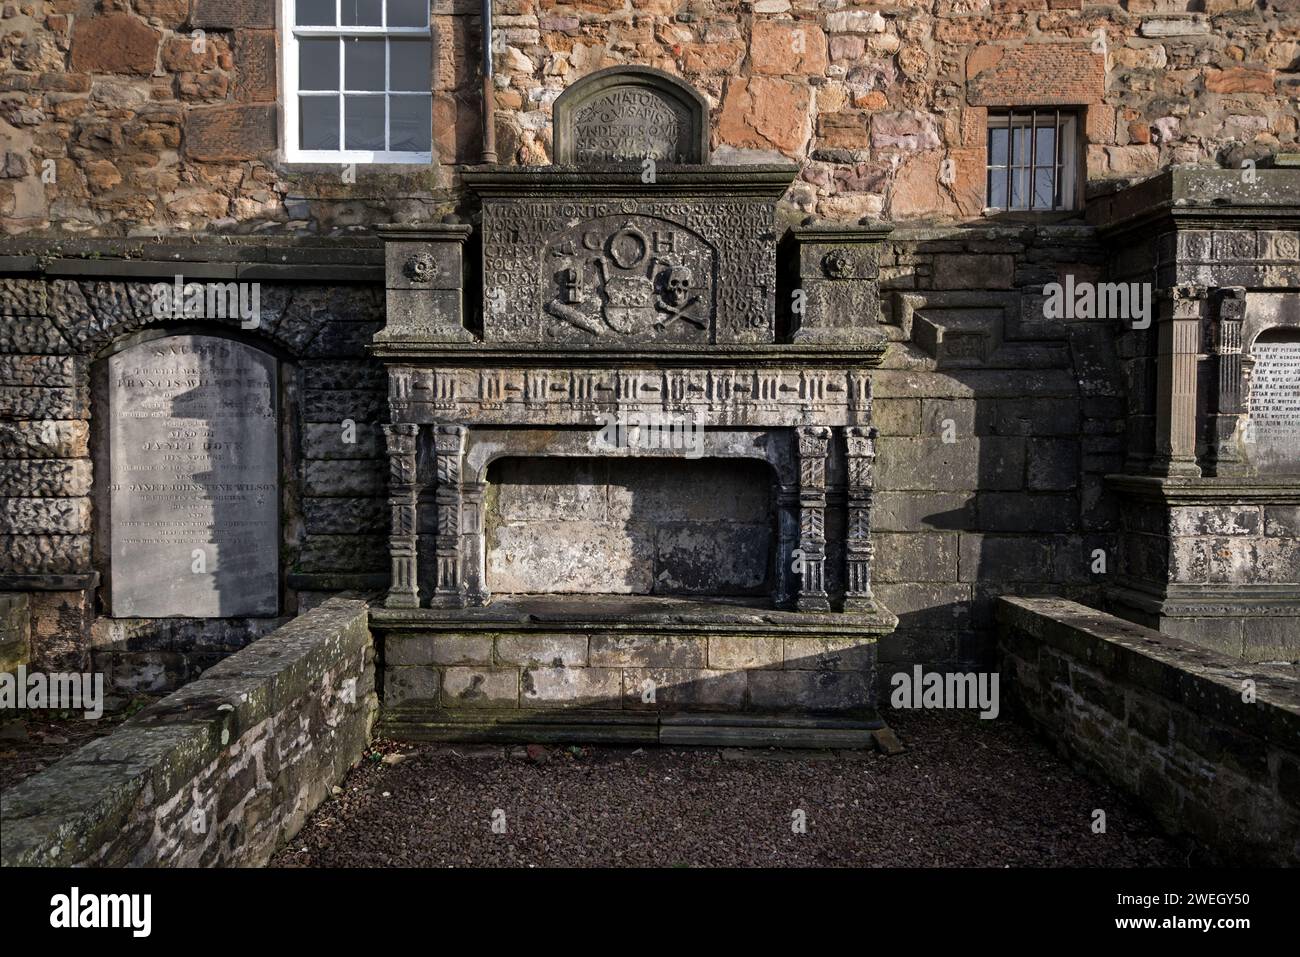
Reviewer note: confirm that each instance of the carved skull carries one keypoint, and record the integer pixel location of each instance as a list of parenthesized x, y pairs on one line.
[(679, 286)]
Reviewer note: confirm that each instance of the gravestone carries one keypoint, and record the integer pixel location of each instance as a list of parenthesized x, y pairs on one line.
[(627, 114), (1273, 432), (193, 512)]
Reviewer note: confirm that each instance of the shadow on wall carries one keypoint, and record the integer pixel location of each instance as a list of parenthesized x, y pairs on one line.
[(996, 430)]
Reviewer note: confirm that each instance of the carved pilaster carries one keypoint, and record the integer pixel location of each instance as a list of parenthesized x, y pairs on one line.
[(403, 592), (1223, 456), (860, 462), (1178, 347), (814, 445), (449, 449)]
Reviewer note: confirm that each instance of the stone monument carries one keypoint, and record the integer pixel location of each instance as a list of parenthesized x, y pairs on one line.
[(193, 494)]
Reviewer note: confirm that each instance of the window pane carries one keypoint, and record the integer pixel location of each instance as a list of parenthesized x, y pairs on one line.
[(1019, 189), (318, 64), (363, 68), (998, 147), (1046, 145), (1043, 198), (408, 13), (412, 123), (998, 188), (410, 65), (314, 13), (363, 119), (318, 126), (362, 13), (1020, 146)]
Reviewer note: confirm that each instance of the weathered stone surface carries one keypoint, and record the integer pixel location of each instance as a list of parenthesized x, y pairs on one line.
[(44, 554), (626, 115), (663, 689), (44, 516), (194, 488), (480, 687), (421, 649), (735, 652), (52, 477), (810, 690), (230, 133), (114, 43), (558, 651), (643, 651), (548, 687)]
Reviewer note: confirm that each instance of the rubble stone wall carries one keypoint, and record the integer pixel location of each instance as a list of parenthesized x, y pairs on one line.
[(113, 119)]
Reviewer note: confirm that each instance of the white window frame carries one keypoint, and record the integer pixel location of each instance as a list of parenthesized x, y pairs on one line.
[(291, 35)]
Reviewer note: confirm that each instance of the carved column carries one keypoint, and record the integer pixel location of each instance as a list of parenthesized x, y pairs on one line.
[(860, 459), (403, 592), (449, 449), (1223, 456), (814, 445), (1178, 347)]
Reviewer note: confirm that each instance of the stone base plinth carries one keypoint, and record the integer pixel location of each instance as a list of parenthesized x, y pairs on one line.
[(630, 669)]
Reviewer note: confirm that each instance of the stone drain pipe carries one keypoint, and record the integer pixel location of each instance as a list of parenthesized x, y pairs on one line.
[(489, 95)]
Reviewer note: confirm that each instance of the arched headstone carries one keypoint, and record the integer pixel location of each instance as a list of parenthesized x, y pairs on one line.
[(193, 500), (627, 114)]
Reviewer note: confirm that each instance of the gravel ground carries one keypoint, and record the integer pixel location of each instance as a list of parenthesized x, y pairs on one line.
[(34, 740), (966, 792)]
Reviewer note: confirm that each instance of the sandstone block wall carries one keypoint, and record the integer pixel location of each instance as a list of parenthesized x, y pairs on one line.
[(111, 120), (221, 773), (1168, 721)]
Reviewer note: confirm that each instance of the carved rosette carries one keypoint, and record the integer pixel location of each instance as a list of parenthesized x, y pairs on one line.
[(403, 590), (449, 450), (860, 459), (814, 446)]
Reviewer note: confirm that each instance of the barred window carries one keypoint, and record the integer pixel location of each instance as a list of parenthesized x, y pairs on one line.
[(358, 81), (1032, 159)]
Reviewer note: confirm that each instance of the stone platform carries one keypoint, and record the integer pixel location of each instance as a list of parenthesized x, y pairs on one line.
[(631, 669)]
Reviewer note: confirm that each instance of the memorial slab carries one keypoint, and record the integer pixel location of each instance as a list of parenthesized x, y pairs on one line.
[(1273, 430), (194, 494)]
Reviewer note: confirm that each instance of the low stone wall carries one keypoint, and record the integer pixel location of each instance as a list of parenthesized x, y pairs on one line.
[(220, 773), (1165, 719)]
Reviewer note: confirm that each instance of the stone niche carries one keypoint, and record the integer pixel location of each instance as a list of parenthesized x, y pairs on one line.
[(536, 565), (190, 514)]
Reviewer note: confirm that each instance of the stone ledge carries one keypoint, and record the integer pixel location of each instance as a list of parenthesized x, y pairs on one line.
[(222, 772)]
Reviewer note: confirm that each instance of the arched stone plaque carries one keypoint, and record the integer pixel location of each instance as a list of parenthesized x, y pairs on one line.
[(193, 511), (625, 114)]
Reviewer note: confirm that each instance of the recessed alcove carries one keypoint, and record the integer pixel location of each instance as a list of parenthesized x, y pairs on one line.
[(634, 526)]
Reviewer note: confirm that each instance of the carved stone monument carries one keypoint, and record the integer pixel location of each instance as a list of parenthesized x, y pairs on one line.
[(564, 561), (193, 499)]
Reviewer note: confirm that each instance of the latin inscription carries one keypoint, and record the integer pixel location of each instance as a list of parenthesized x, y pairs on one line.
[(630, 124), (194, 494)]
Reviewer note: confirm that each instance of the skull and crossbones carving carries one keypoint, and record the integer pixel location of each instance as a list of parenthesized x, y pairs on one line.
[(677, 297)]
